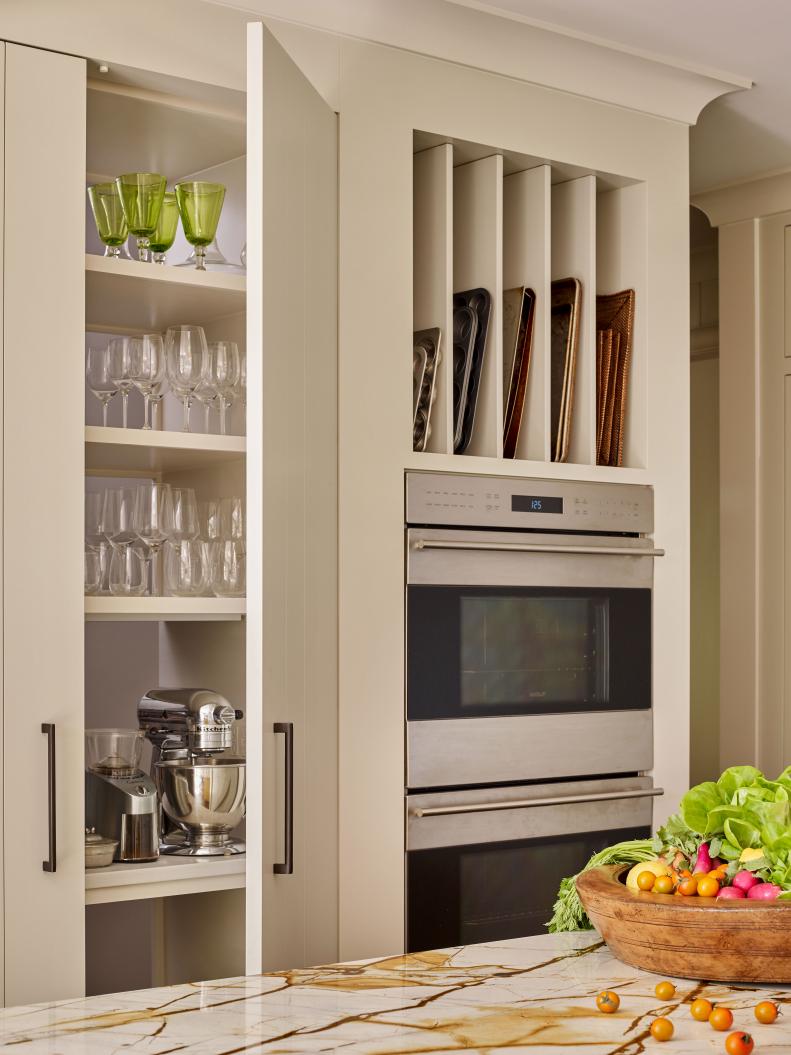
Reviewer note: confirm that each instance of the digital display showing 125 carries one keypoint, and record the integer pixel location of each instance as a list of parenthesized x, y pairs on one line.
[(536, 504)]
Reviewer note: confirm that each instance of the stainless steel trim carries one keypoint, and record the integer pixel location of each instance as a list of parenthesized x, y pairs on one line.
[(509, 750), (518, 804), (531, 547)]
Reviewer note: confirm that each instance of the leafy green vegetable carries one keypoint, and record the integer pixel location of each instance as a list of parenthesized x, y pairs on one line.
[(568, 913), (698, 803), (737, 777)]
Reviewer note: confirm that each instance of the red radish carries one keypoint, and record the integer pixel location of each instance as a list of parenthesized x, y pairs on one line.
[(703, 862), (764, 891), (744, 880), (731, 892)]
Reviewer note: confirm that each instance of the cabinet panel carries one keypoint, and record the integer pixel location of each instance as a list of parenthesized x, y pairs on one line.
[(292, 247), (43, 519)]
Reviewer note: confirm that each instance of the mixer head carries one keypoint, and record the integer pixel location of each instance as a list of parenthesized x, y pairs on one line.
[(201, 720)]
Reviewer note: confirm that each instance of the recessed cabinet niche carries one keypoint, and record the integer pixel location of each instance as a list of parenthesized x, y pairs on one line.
[(492, 222)]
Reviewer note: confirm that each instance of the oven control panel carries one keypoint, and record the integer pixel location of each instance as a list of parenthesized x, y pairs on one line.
[(545, 505)]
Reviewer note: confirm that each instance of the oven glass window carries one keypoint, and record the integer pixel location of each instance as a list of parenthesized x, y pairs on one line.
[(460, 895), (477, 652)]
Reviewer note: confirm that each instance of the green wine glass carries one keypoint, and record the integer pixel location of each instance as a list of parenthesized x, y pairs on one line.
[(142, 194), (200, 205), (109, 216), (165, 234)]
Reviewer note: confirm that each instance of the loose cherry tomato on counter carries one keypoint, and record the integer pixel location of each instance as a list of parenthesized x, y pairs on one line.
[(688, 887), (721, 1019), (739, 1043), (661, 1029), (646, 880), (665, 990), (766, 1012), (708, 887), (700, 1009), (608, 1002)]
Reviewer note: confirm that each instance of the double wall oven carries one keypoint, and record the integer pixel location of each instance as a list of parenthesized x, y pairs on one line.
[(529, 711)]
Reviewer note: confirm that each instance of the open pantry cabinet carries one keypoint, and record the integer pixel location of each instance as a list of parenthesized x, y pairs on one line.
[(74, 662)]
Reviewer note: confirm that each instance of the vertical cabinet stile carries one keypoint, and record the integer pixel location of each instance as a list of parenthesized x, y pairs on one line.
[(2, 518), (43, 294)]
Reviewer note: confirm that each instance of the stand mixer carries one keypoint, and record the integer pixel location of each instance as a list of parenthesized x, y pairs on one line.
[(201, 784)]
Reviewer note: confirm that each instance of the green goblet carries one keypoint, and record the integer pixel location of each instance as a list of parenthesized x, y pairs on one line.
[(165, 234), (109, 216), (200, 205), (142, 194)]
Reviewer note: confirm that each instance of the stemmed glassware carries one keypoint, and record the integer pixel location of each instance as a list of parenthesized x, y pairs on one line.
[(118, 511), (200, 204), (108, 214), (153, 521), (100, 381), (118, 368), (147, 368), (225, 367), (186, 525), (165, 234), (141, 194), (186, 358)]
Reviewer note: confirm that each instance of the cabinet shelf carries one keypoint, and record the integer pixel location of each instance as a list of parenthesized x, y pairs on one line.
[(167, 877), (130, 296), (467, 463), (165, 609), (109, 450)]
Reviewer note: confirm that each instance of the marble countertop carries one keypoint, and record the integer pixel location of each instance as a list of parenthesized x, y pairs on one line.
[(535, 994)]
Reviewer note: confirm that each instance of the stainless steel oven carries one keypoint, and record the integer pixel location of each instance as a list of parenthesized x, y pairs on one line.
[(529, 727)]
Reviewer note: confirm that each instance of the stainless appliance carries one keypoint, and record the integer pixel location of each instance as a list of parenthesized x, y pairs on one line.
[(121, 800), (529, 707), (201, 783)]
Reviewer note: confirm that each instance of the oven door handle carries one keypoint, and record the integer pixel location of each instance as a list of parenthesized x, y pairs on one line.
[(518, 804), (537, 547)]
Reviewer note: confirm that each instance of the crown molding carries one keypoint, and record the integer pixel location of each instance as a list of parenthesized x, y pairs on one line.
[(746, 200)]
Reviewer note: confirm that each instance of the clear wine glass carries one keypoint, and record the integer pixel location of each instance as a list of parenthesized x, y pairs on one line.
[(93, 571), (232, 519), (97, 372), (209, 519), (206, 393), (229, 568), (157, 395), (118, 368), (186, 355), (94, 531), (225, 366), (128, 566), (186, 571), (186, 525), (153, 522), (118, 512), (147, 367)]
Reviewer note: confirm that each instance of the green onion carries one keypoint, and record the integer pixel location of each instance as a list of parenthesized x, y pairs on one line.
[(568, 913)]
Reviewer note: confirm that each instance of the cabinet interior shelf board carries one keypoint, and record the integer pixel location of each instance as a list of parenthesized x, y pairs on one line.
[(530, 470), (165, 609), (109, 450), (167, 877), (131, 296)]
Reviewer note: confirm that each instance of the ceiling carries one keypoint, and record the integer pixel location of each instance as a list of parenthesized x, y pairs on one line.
[(744, 134)]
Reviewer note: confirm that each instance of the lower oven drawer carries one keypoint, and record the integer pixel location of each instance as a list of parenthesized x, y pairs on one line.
[(485, 865)]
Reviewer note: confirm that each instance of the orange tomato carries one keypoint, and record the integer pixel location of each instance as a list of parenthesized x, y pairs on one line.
[(739, 1043), (685, 873), (766, 1012), (721, 1019), (662, 885), (708, 887), (700, 1009), (665, 990), (661, 1029), (608, 1002), (688, 887), (646, 880)]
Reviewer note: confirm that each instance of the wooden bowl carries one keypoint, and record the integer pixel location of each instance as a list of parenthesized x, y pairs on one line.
[(708, 940)]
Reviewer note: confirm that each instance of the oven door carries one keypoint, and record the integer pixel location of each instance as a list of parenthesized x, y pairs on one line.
[(486, 865), (524, 650)]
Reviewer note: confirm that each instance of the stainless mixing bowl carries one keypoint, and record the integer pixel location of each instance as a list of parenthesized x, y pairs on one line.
[(205, 797)]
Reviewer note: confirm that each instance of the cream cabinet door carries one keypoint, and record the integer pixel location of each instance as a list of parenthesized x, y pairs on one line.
[(292, 259), (43, 414)]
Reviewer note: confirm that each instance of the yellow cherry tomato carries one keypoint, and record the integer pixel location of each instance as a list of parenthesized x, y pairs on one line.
[(663, 885), (708, 887), (646, 880), (608, 1002), (700, 1009), (665, 990), (661, 1029), (688, 887), (766, 1012), (721, 1019)]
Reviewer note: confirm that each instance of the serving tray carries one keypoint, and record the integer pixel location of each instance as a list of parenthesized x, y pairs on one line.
[(708, 940)]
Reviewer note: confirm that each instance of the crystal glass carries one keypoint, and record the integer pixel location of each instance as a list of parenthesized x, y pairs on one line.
[(128, 568), (228, 569), (118, 511), (93, 571), (147, 367), (186, 567), (165, 234), (153, 522), (142, 194), (232, 519), (209, 520), (225, 370), (200, 205), (157, 395), (94, 531), (186, 358), (97, 372), (118, 368), (207, 394), (108, 214), (186, 525)]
